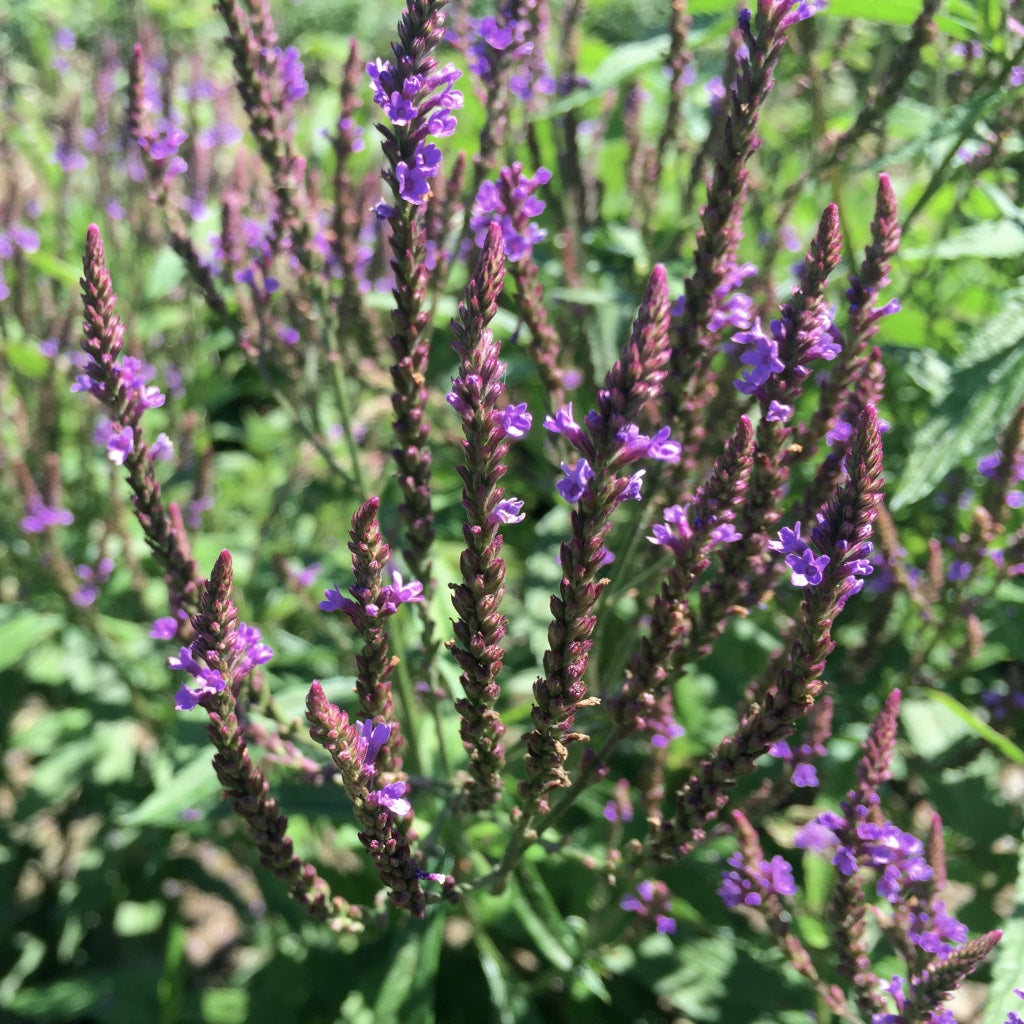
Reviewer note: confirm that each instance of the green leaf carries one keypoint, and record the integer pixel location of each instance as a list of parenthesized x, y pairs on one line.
[(195, 785), (902, 12), (1000, 239), (620, 65), (545, 925), (408, 990), (987, 388), (959, 18), (982, 729), (54, 267), (26, 359), (20, 633), (1008, 969), (507, 999)]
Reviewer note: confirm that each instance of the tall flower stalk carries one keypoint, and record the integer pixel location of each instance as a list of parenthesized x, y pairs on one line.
[(488, 430), (595, 486), (222, 653), (121, 384), (371, 603), (419, 101), (841, 539)]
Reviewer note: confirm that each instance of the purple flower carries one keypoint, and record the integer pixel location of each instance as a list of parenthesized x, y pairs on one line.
[(663, 730), (802, 9), (117, 438), (510, 202), (372, 738), (249, 649), (639, 446), (936, 932), (778, 412), (632, 491), (391, 798), (335, 601), (746, 886), (898, 855), (575, 482), (92, 580), (162, 449), (563, 423), (391, 596), (398, 102), (805, 776), (516, 421), (652, 900), (293, 74), (67, 158), (789, 540), (401, 592), (165, 628), (807, 569), (39, 516), (135, 376), (675, 530), (414, 181), (18, 238), (508, 510), (725, 533), (613, 813), (763, 358), (663, 449), (210, 681), (621, 808), (842, 432)]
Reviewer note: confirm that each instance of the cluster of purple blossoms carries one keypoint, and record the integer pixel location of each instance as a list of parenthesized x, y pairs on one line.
[(414, 98), (162, 143), (392, 796), (762, 357), (529, 72), (802, 10), (119, 440), (133, 375), (897, 855), (293, 74), (763, 360), (39, 516), (248, 651), (511, 203), (652, 900), (935, 931), (732, 306), (807, 568), (92, 579), (166, 627), (749, 887), (676, 532), (632, 446), (895, 988), (805, 775), (515, 422), (391, 596)]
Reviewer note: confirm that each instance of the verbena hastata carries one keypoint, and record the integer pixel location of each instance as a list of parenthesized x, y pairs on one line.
[(584, 538)]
